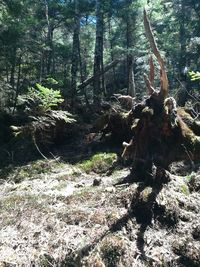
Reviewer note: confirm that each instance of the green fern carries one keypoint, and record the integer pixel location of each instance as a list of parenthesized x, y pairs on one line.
[(44, 121), (40, 99), (194, 75), (48, 98)]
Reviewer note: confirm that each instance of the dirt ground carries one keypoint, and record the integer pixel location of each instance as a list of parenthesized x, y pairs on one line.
[(56, 214)]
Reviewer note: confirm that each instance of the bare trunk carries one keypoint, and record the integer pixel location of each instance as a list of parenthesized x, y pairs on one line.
[(130, 60), (41, 67), (75, 50), (182, 38), (18, 83), (182, 95), (82, 74), (49, 40), (98, 54), (112, 55), (13, 66), (131, 80), (163, 74)]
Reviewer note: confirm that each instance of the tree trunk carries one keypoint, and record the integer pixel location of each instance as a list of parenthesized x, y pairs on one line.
[(182, 37), (13, 66), (75, 51), (98, 54), (49, 40), (18, 83), (41, 66), (111, 53), (82, 74), (50, 49), (130, 42), (182, 95), (131, 80)]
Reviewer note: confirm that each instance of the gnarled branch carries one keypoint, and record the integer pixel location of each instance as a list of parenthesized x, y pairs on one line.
[(153, 45)]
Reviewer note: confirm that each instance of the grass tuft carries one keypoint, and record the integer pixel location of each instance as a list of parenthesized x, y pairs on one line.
[(98, 163)]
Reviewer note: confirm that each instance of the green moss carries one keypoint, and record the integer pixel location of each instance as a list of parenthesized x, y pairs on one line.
[(185, 190), (98, 163), (112, 249), (30, 171)]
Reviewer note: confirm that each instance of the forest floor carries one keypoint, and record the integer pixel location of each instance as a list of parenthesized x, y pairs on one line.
[(55, 213)]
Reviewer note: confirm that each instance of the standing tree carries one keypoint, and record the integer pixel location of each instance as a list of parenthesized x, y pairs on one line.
[(75, 50), (98, 54), (130, 29)]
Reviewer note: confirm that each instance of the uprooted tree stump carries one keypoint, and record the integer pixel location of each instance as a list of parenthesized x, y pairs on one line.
[(161, 132)]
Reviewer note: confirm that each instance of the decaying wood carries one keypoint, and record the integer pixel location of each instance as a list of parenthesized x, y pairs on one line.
[(149, 86), (161, 132), (153, 45), (151, 71), (126, 101)]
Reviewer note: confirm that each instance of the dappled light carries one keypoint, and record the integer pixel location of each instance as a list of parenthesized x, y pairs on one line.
[(100, 133)]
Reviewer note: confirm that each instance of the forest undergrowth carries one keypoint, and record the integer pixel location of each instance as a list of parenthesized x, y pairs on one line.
[(85, 213)]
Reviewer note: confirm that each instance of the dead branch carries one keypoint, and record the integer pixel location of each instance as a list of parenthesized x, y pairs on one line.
[(149, 86), (153, 45), (151, 71)]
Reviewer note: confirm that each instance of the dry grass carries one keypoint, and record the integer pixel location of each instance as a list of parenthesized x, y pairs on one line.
[(44, 213)]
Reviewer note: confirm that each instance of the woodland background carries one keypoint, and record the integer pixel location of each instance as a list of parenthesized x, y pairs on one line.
[(59, 44), (70, 195)]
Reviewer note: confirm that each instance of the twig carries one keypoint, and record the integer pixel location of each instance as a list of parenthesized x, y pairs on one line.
[(34, 141)]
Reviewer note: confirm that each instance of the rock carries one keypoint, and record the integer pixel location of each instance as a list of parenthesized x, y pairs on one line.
[(97, 181), (196, 232), (194, 183)]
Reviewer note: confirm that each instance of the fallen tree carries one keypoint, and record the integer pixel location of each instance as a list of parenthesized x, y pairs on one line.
[(161, 132), (106, 69)]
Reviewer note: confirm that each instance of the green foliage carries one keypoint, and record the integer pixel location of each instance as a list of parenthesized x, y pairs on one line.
[(47, 98), (41, 99), (44, 123), (194, 75), (38, 47)]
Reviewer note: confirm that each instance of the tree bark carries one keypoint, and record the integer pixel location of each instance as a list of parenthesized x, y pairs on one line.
[(183, 95), (18, 83), (111, 53), (75, 50), (13, 67), (163, 74), (131, 79), (98, 54), (161, 132), (130, 42), (49, 40)]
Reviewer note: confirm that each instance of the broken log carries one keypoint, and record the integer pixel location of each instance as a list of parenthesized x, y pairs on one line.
[(106, 69), (156, 52), (161, 132)]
